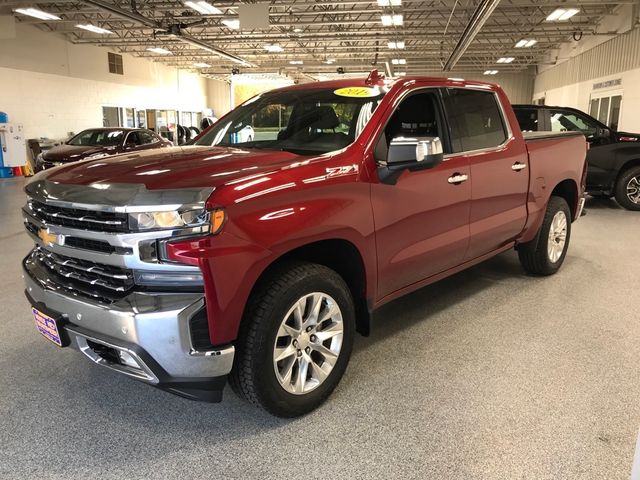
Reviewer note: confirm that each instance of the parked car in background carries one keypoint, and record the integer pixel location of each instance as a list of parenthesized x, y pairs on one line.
[(260, 259), (614, 157), (100, 142)]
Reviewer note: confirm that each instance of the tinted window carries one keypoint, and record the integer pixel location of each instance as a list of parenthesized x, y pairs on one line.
[(570, 122), (527, 119), (147, 138), (415, 117), (133, 139), (96, 138), (475, 119)]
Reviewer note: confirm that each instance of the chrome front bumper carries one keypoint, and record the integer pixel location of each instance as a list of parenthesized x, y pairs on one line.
[(151, 328)]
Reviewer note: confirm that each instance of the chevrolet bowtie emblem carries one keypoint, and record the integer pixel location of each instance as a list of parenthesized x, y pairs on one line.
[(49, 238)]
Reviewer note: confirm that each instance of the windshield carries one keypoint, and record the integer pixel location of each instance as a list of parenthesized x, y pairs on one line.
[(98, 138), (309, 121)]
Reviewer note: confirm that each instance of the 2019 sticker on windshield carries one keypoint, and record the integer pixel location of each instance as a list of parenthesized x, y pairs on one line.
[(357, 92)]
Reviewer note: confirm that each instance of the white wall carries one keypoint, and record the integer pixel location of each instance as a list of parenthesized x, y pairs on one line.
[(53, 87)]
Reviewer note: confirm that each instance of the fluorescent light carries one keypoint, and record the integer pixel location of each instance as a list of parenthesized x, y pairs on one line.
[(389, 3), (562, 14), (399, 61), (297, 30), (203, 7), (393, 45), (401, 74), (201, 65), (490, 72), (389, 20), (94, 29), (274, 48), (526, 43), (296, 62), (329, 61), (161, 51), (232, 24), (34, 12), (505, 60)]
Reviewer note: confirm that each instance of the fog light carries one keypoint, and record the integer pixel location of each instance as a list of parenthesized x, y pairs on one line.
[(127, 359)]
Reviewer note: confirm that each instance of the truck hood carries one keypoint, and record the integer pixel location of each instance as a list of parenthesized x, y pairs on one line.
[(173, 167), (73, 153)]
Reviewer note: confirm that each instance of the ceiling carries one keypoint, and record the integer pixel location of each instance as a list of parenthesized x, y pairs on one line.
[(347, 31)]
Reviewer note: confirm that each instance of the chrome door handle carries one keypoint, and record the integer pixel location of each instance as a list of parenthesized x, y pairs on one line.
[(516, 167), (458, 178)]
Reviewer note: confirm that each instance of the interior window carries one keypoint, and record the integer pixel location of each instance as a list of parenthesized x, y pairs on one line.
[(475, 119), (528, 119), (415, 117), (570, 122)]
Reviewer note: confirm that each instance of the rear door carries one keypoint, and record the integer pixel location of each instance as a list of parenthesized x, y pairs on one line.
[(498, 163)]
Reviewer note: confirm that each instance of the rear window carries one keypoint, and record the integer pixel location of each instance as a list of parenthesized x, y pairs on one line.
[(475, 119), (527, 119)]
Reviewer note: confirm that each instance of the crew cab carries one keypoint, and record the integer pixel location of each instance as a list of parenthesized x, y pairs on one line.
[(613, 159), (259, 259)]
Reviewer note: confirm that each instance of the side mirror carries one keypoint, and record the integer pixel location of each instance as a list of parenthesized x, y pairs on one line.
[(410, 154)]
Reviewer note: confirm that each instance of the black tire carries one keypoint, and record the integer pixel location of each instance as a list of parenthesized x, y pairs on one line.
[(534, 255), (253, 375), (630, 175)]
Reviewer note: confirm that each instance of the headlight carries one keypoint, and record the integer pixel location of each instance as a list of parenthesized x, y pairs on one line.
[(206, 221)]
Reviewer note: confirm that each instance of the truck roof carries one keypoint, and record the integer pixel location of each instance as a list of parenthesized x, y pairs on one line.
[(362, 82)]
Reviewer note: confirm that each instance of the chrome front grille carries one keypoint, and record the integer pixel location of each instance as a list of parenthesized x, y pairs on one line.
[(91, 279), (79, 218)]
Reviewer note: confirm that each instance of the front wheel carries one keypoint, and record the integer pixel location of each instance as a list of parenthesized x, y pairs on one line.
[(545, 254), (627, 189), (296, 340)]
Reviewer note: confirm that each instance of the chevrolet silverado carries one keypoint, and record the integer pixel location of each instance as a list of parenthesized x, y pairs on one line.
[(257, 259)]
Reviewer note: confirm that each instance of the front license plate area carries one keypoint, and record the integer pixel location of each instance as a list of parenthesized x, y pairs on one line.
[(50, 327)]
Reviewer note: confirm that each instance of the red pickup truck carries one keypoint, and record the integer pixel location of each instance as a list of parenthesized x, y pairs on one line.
[(258, 258)]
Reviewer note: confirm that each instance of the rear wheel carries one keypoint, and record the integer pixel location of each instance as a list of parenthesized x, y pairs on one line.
[(545, 254), (627, 189), (296, 340)]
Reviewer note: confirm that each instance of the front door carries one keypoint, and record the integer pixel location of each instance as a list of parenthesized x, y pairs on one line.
[(422, 222)]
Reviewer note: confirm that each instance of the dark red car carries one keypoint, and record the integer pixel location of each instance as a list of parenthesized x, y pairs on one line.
[(100, 142)]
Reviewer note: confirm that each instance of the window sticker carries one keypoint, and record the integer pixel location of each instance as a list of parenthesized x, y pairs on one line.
[(357, 92)]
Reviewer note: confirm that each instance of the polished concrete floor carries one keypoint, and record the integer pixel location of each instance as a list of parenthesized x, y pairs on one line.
[(490, 374)]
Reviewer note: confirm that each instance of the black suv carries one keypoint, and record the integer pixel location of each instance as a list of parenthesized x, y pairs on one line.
[(614, 157)]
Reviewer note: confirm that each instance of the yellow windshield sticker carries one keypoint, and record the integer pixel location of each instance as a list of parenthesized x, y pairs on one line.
[(357, 92)]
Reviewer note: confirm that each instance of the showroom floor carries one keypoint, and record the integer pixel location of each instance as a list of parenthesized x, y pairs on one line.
[(489, 374)]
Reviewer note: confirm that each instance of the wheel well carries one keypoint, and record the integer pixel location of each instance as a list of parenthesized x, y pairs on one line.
[(626, 166), (568, 190), (344, 258)]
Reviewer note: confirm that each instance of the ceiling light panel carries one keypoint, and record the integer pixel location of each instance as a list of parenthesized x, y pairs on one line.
[(201, 65), (396, 45), (203, 7), (389, 3), (490, 72), (160, 51), (505, 60), (562, 14), (273, 48), (389, 20), (232, 24), (526, 43), (399, 61), (296, 62), (34, 12), (94, 29)]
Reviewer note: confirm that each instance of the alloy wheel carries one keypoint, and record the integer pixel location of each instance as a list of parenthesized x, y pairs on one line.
[(308, 343), (557, 236), (633, 189)]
